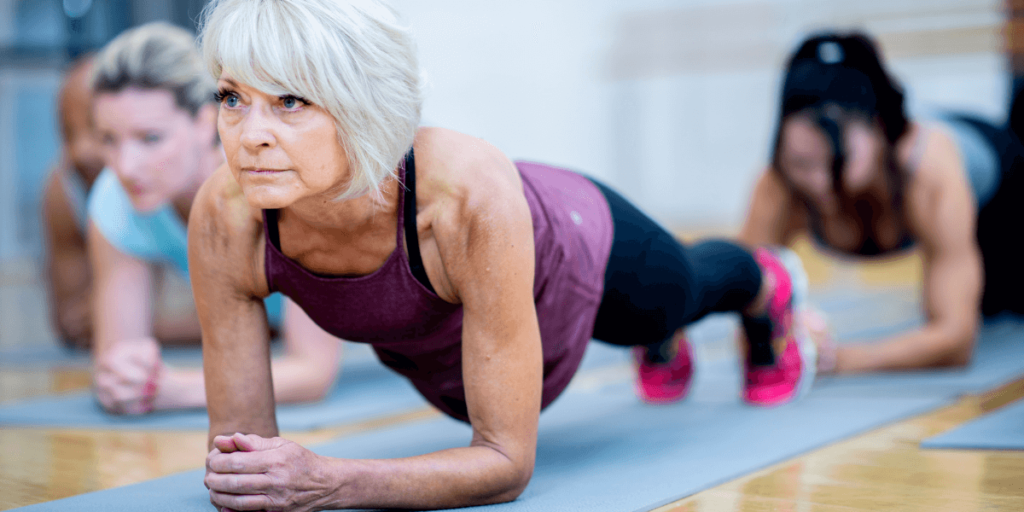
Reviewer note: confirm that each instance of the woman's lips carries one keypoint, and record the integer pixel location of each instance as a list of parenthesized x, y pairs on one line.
[(257, 170)]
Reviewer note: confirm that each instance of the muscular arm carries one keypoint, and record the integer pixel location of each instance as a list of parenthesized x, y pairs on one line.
[(487, 248), (942, 216), (126, 359), (67, 266), (228, 283), (122, 301)]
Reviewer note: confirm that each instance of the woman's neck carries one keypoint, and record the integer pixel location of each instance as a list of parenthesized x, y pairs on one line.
[(325, 213)]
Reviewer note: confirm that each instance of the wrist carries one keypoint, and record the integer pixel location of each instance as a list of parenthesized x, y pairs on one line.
[(828, 357), (849, 359), (351, 485)]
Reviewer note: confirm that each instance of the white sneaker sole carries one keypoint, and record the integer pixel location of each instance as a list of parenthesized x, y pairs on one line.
[(801, 334)]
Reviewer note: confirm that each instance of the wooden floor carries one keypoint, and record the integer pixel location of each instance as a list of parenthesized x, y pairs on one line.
[(879, 470)]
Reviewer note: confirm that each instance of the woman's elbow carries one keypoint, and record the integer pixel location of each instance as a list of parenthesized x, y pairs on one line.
[(514, 487), (959, 349)]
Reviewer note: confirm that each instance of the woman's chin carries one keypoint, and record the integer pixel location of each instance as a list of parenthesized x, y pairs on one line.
[(266, 198), (147, 203)]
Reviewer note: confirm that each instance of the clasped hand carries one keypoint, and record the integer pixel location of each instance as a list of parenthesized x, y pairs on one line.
[(126, 375), (249, 472)]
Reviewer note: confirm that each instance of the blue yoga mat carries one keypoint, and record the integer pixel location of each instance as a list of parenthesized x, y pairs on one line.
[(47, 355), (999, 430), (601, 449), (998, 358), (597, 451), (365, 390)]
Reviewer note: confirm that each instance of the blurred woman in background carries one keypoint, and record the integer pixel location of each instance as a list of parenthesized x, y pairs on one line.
[(65, 199), (156, 120), (853, 171)]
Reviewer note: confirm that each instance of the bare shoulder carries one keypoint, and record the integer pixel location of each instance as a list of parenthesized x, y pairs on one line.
[(458, 174), (224, 232), (472, 197), (938, 184), (934, 163), (460, 160)]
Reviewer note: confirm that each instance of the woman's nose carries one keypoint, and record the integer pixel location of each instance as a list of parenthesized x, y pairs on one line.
[(256, 131)]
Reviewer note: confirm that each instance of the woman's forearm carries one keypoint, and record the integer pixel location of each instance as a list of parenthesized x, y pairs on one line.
[(929, 346), (180, 388), (457, 477), (295, 380)]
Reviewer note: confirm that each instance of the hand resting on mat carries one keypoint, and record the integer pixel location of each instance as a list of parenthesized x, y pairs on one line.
[(126, 375), (249, 472)]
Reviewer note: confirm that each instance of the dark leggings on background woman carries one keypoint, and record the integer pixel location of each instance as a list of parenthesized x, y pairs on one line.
[(654, 285), (999, 224)]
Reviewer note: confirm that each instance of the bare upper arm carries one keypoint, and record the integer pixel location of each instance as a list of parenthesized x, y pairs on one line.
[(122, 286), (942, 215), (63, 234), (485, 238), (773, 216)]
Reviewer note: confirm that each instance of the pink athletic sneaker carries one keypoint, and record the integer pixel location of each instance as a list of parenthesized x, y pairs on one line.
[(793, 369), (666, 382)]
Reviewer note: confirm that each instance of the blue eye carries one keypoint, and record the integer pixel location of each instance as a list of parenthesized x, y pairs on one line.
[(150, 138), (292, 102), (231, 101)]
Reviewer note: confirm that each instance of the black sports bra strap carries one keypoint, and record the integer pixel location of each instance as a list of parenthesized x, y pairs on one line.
[(270, 218), (412, 240)]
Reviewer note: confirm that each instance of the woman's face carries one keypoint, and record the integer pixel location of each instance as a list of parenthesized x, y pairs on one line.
[(152, 145), (280, 148), (805, 156)]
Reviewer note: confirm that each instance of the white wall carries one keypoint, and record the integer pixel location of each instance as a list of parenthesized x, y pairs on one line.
[(673, 102)]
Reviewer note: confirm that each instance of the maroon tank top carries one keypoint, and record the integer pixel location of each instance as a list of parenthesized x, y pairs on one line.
[(419, 335)]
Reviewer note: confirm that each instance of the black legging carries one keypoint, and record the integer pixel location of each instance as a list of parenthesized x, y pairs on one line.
[(654, 284), (999, 224)]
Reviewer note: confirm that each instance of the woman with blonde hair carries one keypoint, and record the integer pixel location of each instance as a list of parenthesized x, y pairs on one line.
[(155, 115), (478, 279)]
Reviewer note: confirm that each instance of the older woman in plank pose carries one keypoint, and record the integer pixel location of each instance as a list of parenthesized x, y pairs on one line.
[(479, 279)]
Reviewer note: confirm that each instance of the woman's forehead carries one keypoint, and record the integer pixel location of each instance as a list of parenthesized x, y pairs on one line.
[(800, 132)]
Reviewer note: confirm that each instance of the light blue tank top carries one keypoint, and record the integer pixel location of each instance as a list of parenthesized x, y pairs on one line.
[(159, 236)]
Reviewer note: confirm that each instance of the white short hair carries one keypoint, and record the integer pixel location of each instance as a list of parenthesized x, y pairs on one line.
[(350, 57), (156, 55)]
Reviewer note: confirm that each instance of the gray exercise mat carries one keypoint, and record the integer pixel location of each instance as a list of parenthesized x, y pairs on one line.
[(999, 430), (597, 451), (365, 390), (998, 358), (47, 355), (601, 449), (357, 395)]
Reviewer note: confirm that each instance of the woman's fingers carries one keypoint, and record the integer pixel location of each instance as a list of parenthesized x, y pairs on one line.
[(241, 462), (229, 483), (226, 444), (241, 501)]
